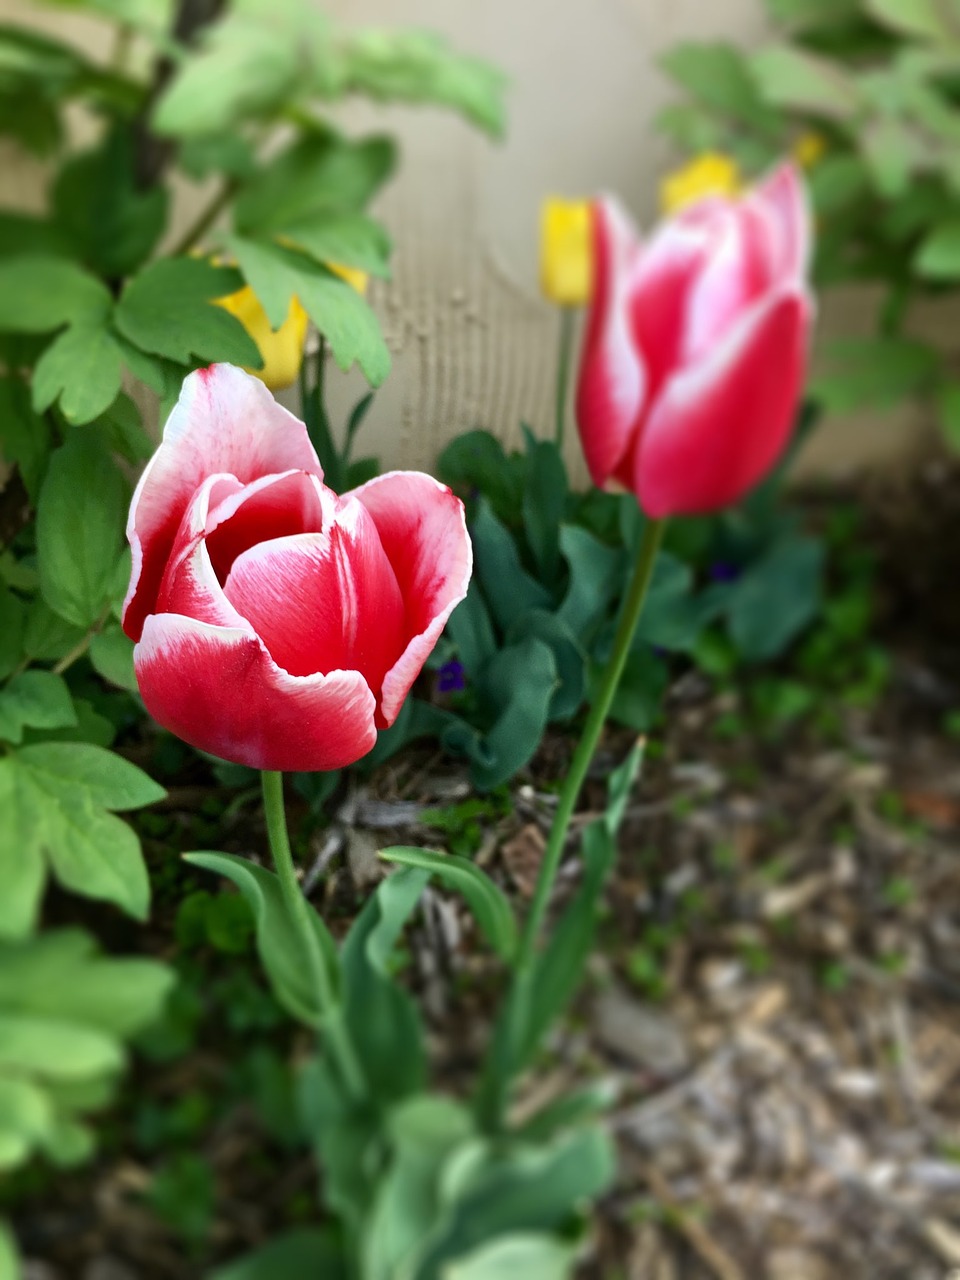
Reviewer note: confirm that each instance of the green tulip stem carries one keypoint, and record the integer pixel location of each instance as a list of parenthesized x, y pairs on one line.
[(333, 1028), (633, 607), (563, 371)]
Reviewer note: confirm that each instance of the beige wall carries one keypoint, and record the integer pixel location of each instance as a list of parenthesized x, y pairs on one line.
[(472, 341)]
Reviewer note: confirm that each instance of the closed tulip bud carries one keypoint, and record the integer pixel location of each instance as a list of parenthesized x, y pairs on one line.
[(696, 347), (710, 174), (566, 267), (277, 624)]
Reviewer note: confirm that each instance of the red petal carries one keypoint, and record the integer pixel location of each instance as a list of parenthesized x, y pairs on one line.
[(324, 601), (782, 196), (720, 425), (225, 421), (612, 380), (423, 531), (219, 690)]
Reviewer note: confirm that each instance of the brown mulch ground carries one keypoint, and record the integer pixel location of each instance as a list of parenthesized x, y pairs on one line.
[(777, 993)]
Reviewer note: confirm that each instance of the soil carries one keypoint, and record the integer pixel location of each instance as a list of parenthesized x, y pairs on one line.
[(776, 991)]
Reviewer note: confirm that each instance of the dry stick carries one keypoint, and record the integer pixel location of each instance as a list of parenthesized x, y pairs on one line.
[(693, 1231)]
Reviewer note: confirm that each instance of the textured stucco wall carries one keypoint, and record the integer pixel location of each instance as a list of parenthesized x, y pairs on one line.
[(472, 341)]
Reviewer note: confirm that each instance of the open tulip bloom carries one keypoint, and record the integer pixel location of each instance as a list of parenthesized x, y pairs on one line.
[(696, 346), (277, 624)]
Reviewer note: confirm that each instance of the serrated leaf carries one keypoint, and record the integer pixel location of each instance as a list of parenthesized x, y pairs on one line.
[(347, 239), (876, 371), (107, 778), (938, 257), (278, 942), (81, 516), (167, 310), (801, 81), (717, 74), (39, 699), (40, 292), (82, 368), (488, 903), (277, 274), (24, 434)]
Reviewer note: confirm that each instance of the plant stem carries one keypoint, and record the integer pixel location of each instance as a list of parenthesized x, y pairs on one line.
[(633, 606), (563, 371), (333, 1027), (205, 220)]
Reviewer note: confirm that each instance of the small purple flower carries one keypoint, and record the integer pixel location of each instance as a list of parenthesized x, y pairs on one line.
[(450, 677), (724, 571)]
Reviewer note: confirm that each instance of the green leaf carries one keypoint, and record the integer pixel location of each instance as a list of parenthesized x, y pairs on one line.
[(507, 586), (535, 1257), (520, 682), (792, 78), (82, 368), (9, 1261), (476, 461), (597, 577), (277, 274), (938, 257), (423, 1132), (55, 1050), (470, 629), (928, 19), (278, 943), (112, 222), (12, 619), (168, 310), (51, 794), (416, 67), (776, 598), (488, 903), (544, 500), (35, 698), (569, 658), (717, 74), (40, 292), (347, 239), (317, 176), (381, 1016), (47, 636), (307, 1253), (248, 65), (24, 434), (621, 784), (110, 781), (111, 652), (876, 371), (81, 516)]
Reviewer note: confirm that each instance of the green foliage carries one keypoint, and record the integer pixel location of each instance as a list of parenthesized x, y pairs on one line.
[(65, 1014), (877, 83), (304, 1254)]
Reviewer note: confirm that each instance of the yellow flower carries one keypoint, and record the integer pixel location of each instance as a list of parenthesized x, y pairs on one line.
[(358, 279), (809, 148), (710, 174), (281, 349), (566, 251)]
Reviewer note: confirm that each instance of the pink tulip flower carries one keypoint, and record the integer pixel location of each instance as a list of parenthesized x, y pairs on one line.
[(278, 625), (696, 346)]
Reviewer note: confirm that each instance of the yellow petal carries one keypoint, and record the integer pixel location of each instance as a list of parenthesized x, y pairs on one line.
[(809, 148), (566, 251), (710, 174), (358, 279), (281, 349)]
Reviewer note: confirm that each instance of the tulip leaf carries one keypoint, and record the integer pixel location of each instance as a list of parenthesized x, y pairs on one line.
[(278, 941), (568, 655), (381, 1016), (167, 310), (475, 462), (81, 515), (544, 500), (535, 1257), (40, 292), (597, 576), (470, 629), (306, 1253), (507, 586), (82, 368), (776, 598), (488, 903), (277, 274), (519, 681)]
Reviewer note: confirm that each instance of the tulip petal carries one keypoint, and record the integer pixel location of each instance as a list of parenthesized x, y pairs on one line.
[(225, 421), (613, 380), (736, 272), (423, 530), (324, 601), (719, 426), (782, 198), (219, 690)]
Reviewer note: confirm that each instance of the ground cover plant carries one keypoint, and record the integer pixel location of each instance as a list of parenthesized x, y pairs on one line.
[(286, 607)]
